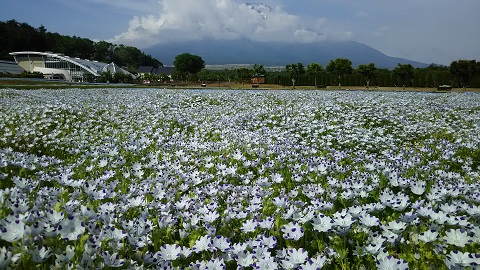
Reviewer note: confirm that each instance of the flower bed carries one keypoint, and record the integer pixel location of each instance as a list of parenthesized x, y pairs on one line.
[(205, 179)]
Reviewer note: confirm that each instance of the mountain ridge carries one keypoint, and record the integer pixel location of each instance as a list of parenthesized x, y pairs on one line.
[(244, 51)]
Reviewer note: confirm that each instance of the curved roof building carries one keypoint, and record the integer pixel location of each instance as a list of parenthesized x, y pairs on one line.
[(59, 66)]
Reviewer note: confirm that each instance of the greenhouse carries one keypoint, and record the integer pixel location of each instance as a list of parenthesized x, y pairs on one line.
[(62, 67)]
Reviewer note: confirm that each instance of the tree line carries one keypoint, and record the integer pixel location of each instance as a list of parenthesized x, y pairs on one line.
[(17, 36), (460, 73), (23, 37)]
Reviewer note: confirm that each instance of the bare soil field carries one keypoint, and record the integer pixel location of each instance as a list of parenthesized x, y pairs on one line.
[(226, 85), (38, 84)]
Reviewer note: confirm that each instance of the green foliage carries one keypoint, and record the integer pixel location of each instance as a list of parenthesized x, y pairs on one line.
[(259, 70), (295, 71), (404, 73), (315, 69), (368, 72), (244, 74), (340, 67), (464, 70), (188, 63)]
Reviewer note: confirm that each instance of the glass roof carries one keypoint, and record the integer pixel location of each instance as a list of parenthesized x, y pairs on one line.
[(94, 67), (10, 67)]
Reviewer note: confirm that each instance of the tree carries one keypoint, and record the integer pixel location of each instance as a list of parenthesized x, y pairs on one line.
[(243, 73), (295, 71), (259, 70), (404, 72), (315, 69), (463, 70), (186, 63), (368, 72), (340, 67), (102, 51)]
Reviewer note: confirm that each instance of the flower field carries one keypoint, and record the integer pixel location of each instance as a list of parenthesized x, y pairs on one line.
[(212, 179)]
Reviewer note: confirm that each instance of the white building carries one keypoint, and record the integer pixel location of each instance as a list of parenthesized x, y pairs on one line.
[(62, 67)]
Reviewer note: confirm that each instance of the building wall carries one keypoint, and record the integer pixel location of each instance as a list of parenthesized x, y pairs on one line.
[(49, 73), (258, 79), (29, 62)]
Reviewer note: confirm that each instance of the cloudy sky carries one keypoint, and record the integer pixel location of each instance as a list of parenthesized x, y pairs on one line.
[(430, 31)]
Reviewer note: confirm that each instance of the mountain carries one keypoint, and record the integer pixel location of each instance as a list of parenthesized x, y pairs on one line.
[(221, 52)]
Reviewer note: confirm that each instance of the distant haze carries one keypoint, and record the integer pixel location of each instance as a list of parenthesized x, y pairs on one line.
[(221, 52)]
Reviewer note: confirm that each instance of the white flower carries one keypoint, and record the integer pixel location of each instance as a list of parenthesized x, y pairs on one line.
[(395, 226), (216, 264), (69, 253), (169, 252), (112, 233), (369, 220), (204, 243), (13, 231), (266, 263), (266, 223), (314, 263), (249, 225), (5, 257), (280, 202), (428, 236), (71, 228), (457, 259), (458, 237), (391, 263), (418, 187), (245, 258), (211, 216), (292, 231), (269, 242), (40, 254), (322, 223), (373, 248), (221, 243), (297, 256), (277, 178), (112, 260)]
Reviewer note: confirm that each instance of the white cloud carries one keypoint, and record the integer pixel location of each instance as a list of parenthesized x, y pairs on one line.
[(428, 31), (128, 5), (218, 19)]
